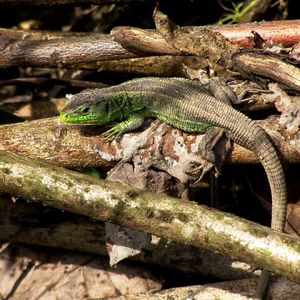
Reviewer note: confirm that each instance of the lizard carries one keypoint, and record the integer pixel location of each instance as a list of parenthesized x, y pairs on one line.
[(186, 105)]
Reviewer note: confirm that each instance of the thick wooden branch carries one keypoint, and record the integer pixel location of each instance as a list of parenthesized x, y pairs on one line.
[(285, 32), (25, 223), (79, 146), (269, 67), (170, 218), (65, 52), (127, 43), (38, 49)]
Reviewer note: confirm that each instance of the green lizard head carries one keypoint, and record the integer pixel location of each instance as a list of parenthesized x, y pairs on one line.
[(84, 108)]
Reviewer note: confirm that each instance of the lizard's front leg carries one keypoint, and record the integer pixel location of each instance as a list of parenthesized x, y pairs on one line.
[(133, 122)]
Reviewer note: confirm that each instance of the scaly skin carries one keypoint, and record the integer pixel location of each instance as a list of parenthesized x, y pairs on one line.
[(184, 105)]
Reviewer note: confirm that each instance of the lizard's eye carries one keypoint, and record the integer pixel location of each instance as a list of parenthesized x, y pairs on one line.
[(85, 110)]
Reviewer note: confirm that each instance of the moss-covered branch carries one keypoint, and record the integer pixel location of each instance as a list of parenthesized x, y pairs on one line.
[(181, 221)]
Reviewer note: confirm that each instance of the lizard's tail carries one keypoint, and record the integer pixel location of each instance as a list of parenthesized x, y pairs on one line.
[(255, 138), (258, 141), (248, 134), (267, 154)]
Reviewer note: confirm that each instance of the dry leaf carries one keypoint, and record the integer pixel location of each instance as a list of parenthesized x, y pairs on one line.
[(123, 242), (30, 275)]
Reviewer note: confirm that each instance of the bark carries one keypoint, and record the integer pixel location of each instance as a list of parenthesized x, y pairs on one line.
[(269, 67), (285, 32), (170, 218), (62, 52), (125, 42), (76, 146), (38, 49)]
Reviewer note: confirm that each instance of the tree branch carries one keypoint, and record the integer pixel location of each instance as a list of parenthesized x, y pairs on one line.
[(170, 218), (80, 146), (62, 52), (65, 49)]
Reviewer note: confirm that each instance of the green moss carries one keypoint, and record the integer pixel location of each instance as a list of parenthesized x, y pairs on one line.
[(182, 217), (6, 171), (164, 216), (131, 194), (119, 209), (150, 213)]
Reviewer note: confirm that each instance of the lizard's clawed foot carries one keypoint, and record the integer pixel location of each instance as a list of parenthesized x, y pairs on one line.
[(213, 149), (198, 170), (116, 130), (113, 133)]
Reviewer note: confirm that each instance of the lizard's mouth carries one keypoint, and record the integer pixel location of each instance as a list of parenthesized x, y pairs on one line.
[(78, 119)]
